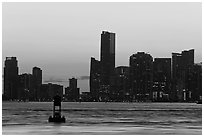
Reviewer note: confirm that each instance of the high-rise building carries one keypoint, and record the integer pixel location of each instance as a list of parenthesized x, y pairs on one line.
[(176, 65), (72, 92), (193, 83), (161, 79), (187, 58), (95, 78), (37, 74), (122, 78), (37, 82), (11, 78), (121, 84), (73, 83), (25, 90), (102, 72), (181, 62), (107, 56), (141, 76)]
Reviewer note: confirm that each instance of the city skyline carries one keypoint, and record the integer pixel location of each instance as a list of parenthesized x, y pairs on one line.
[(144, 79), (50, 35)]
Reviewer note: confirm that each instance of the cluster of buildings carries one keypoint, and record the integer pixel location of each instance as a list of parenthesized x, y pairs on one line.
[(145, 79), (176, 79), (29, 87)]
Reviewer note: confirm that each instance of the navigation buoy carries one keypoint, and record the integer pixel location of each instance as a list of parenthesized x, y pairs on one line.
[(57, 111)]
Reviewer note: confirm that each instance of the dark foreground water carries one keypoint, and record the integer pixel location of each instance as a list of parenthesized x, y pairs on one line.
[(103, 118)]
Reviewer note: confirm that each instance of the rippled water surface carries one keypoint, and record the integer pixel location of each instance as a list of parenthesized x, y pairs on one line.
[(103, 118)]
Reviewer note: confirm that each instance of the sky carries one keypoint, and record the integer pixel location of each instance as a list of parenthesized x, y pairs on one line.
[(61, 38)]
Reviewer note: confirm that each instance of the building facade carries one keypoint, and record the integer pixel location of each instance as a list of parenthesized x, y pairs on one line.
[(181, 62), (72, 92), (25, 89), (141, 76), (121, 84), (193, 82), (107, 56), (95, 78), (161, 79), (11, 78), (37, 82), (48, 91)]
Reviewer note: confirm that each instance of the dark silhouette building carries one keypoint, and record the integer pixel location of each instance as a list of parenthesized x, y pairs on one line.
[(121, 84), (11, 78), (176, 76), (107, 56), (85, 97), (161, 79), (48, 91), (102, 72), (37, 82), (187, 58), (72, 92), (25, 90), (73, 83), (141, 76), (193, 83), (95, 78), (181, 62)]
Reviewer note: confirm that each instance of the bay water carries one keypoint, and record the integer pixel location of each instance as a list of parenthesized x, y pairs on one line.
[(100, 118)]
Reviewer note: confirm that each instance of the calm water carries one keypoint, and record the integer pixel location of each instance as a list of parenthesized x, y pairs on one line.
[(103, 118)]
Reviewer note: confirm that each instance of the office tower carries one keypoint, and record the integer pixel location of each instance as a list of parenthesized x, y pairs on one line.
[(73, 83), (95, 78), (72, 92), (25, 90), (161, 79), (37, 74), (37, 82), (107, 56), (187, 58), (176, 65), (121, 84), (177, 84), (141, 76), (193, 83), (181, 62), (11, 78)]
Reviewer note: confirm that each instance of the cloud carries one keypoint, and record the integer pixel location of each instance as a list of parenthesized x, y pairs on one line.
[(54, 80), (83, 78), (50, 80)]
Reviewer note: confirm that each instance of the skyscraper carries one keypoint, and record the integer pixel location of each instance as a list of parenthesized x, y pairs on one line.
[(187, 58), (25, 90), (107, 56), (73, 83), (102, 72), (193, 83), (121, 84), (37, 82), (181, 62), (141, 76), (37, 74), (161, 79), (176, 65), (72, 92), (11, 78), (95, 78)]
